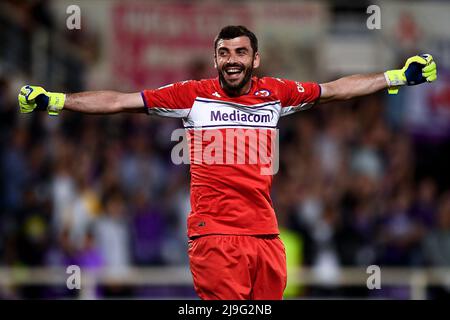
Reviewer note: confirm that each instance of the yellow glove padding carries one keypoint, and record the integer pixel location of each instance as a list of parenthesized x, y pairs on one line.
[(34, 97), (417, 70)]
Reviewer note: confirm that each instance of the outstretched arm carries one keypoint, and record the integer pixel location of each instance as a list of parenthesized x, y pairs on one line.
[(417, 69), (352, 86), (101, 102), (95, 102)]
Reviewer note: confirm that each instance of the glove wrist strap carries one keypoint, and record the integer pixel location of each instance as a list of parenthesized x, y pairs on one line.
[(55, 103), (395, 78)]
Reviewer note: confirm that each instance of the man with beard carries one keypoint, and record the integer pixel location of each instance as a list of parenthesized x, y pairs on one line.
[(234, 246)]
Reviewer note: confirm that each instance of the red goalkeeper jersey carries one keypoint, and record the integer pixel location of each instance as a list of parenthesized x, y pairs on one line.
[(231, 141)]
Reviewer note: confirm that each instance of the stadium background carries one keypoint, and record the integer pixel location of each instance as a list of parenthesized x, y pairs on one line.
[(363, 182)]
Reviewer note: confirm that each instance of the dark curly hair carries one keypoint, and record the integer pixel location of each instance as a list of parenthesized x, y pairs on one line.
[(231, 32)]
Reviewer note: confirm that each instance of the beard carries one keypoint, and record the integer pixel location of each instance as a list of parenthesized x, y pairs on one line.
[(234, 88)]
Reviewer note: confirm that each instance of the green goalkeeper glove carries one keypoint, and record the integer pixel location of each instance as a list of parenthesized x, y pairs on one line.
[(417, 69), (33, 97)]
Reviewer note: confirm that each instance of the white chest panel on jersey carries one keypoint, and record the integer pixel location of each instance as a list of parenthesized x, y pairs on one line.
[(215, 114)]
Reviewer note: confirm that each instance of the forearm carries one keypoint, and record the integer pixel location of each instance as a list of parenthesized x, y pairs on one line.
[(104, 102), (352, 86)]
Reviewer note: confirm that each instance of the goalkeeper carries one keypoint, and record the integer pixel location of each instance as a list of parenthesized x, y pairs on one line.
[(234, 247)]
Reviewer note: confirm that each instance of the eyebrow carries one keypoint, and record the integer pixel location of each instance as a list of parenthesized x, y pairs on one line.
[(237, 49)]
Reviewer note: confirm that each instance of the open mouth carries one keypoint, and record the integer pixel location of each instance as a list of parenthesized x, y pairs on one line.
[(233, 72)]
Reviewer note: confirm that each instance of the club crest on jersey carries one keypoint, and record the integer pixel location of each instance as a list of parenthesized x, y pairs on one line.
[(262, 93)]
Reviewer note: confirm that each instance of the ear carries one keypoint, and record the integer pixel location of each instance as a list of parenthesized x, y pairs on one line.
[(215, 62), (256, 60)]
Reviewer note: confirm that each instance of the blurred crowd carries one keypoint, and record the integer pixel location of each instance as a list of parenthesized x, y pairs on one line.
[(354, 188)]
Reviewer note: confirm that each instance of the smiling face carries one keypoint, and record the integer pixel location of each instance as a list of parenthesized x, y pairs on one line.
[(235, 61)]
